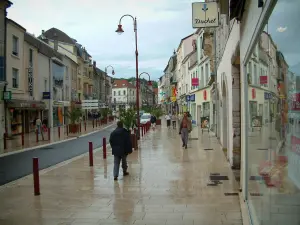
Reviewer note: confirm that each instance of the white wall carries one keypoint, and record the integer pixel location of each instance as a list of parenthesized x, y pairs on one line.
[(225, 67), (129, 97), (43, 74)]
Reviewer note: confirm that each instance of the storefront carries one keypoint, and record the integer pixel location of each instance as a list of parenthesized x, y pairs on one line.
[(203, 108), (271, 185), (22, 115)]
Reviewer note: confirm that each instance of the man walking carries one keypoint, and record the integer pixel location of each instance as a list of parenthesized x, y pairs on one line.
[(184, 129), (121, 145)]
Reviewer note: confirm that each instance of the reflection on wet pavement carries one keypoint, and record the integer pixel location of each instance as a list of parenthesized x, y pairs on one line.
[(167, 185)]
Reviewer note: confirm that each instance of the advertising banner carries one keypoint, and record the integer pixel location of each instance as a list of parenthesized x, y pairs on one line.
[(195, 82), (205, 122)]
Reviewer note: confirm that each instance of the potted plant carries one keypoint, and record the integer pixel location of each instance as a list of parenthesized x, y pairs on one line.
[(104, 114), (128, 118), (157, 112), (73, 115)]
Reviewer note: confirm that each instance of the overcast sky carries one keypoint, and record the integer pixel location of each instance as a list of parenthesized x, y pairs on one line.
[(161, 25)]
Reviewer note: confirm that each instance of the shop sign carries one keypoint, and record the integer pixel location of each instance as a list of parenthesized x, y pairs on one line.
[(173, 99), (46, 95), (192, 98), (204, 95), (187, 98), (30, 81), (205, 14), (6, 95), (174, 91), (253, 93), (263, 79), (195, 82), (268, 95)]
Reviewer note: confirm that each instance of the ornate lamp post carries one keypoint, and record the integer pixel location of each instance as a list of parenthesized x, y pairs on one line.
[(112, 72), (120, 31)]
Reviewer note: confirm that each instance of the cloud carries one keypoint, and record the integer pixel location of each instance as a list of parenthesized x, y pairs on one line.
[(161, 26), (281, 29)]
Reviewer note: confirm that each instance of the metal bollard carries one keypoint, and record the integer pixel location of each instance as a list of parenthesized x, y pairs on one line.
[(91, 156), (22, 137), (59, 132), (4, 140), (49, 135), (36, 178), (104, 147), (37, 135)]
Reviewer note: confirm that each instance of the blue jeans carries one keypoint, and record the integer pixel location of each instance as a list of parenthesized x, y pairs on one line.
[(117, 160)]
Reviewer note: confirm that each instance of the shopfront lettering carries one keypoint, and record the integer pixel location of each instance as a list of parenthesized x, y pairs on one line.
[(207, 21)]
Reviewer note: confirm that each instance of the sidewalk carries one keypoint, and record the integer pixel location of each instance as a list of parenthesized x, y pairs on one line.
[(15, 143), (167, 185)]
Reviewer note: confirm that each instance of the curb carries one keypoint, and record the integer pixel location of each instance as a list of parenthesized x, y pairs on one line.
[(48, 169), (50, 144)]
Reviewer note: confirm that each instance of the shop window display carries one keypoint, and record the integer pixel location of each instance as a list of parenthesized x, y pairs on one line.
[(16, 121), (273, 150)]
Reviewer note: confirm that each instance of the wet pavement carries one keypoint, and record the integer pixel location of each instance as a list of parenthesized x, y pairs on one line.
[(167, 185)]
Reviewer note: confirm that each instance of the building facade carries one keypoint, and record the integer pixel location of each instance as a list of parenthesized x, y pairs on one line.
[(123, 95)]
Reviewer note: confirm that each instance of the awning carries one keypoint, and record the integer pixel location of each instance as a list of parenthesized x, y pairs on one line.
[(26, 104)]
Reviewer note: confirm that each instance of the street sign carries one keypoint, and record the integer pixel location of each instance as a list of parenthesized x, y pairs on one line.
[(205, 14), (6, 95)]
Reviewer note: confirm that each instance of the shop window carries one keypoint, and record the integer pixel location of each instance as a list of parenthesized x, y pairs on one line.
[(206, 109), (273, 149), (15, 78)]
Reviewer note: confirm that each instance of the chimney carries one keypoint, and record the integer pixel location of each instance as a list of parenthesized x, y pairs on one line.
[(94, 63), (43, 32)]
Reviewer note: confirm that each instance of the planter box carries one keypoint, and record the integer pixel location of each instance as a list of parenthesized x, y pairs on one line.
[(133, 142), (158, 121), (73, 128)]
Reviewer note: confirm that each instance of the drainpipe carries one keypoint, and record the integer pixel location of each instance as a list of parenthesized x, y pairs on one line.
[(216, 82), (5, 65)]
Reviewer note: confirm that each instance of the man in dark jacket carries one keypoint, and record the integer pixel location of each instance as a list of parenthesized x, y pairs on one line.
[(120, 143)]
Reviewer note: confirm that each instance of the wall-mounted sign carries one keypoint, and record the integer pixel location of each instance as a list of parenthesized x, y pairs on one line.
[(268, 95), (30, 81), (263, 79), (205, 95), (6, 95), (187, 98), (192, 98), (174, 92), (46, 95), (205, 14), (195, 82), (253, 93)]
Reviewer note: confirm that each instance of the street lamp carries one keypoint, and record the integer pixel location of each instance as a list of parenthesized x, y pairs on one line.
[(112, 72), (120, 31)]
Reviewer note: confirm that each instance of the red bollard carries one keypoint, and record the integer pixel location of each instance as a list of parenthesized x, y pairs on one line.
[(104, 148), (58, 132), (91, 157), (49, 136), (4, 140), (84, 126), (37, 135), (36, 178), (22, 137)]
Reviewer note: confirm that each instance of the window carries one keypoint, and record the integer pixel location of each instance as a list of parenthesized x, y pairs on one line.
[(79, 84), (67, 73), (119, 92), (206, 109), (206, 73), (114, 93), (255, 75), (15, 78), (202, 77), (67, 93), (124, 92), (30, 57), (15, 50), (45, 85)]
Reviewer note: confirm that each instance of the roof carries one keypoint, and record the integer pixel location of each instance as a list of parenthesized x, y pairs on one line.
[(42, 47), (56, 34), (122, 83), (16, 24), (183, 40)]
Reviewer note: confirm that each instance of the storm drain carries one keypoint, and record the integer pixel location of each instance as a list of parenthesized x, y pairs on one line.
[(207, 149), (262, 149), (212, 178), (231, 194)]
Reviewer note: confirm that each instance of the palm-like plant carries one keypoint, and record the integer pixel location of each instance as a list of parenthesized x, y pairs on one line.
[(74, 114), (128, 118)]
